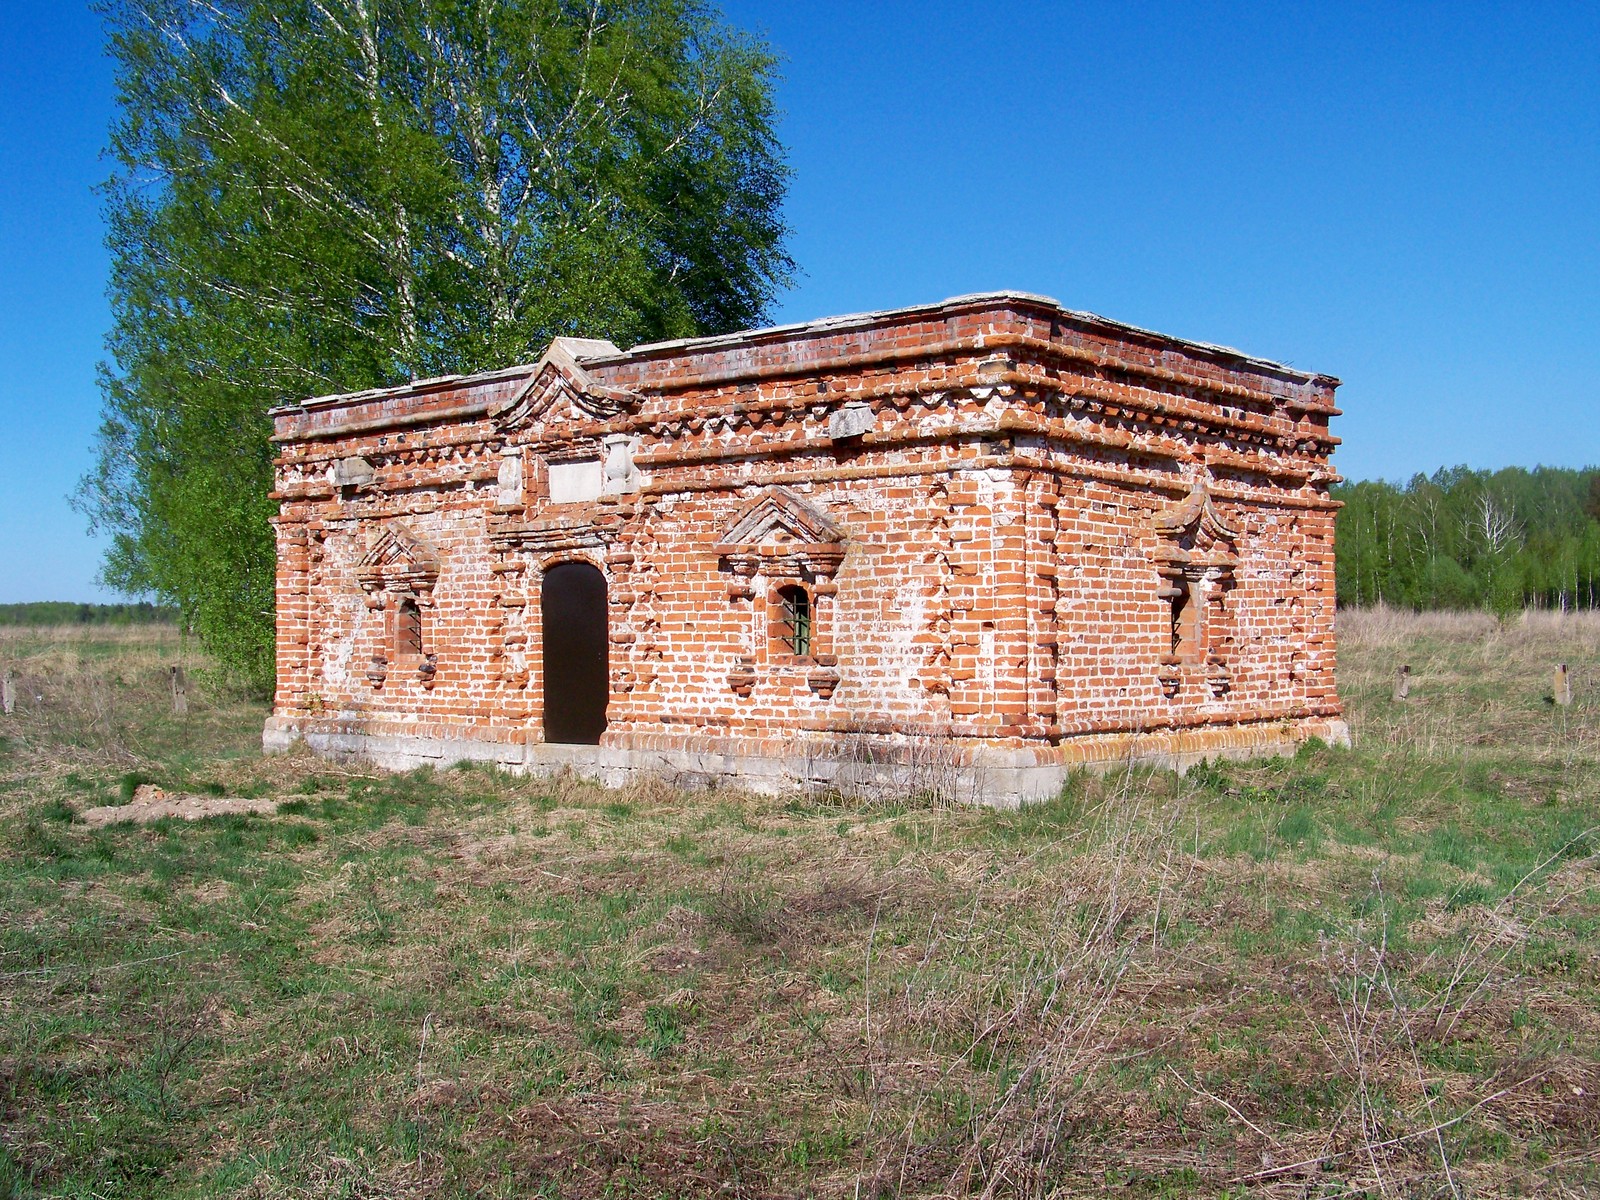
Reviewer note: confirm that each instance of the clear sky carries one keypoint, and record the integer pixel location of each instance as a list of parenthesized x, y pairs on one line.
[(1406, 196)]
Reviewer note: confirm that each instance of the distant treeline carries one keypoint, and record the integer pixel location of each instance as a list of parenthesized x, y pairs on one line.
[(1500, 540), (62, 612)]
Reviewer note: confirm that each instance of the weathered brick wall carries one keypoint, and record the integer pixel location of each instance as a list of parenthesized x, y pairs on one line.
[(991, 504)]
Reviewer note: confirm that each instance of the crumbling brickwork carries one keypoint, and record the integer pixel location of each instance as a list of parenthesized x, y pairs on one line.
[(1032, 537)]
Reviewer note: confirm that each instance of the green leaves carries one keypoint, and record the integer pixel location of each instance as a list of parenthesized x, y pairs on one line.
[(1471, 539), (326, 195)]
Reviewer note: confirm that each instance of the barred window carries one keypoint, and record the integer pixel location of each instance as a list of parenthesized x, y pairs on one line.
[(407, 628), (794, 620)]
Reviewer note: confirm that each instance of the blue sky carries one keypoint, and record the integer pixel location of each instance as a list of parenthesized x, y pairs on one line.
[(1405, 196)]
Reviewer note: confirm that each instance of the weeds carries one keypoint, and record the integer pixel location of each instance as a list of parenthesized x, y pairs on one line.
[(897, 768), (1366, 971)]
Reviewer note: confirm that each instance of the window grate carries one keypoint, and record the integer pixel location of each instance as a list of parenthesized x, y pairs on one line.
[(796, 629), (408, 628)]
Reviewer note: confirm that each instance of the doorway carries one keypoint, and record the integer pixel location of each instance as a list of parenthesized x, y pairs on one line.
[(577, 669)]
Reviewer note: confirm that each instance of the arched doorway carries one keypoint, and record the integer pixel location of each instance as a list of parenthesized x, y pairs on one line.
[(577, 669)]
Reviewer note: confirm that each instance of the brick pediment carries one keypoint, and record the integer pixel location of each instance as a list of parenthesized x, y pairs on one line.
[(398, 561), (560, 389), (778, 514), (1193, 533), (782, 533)]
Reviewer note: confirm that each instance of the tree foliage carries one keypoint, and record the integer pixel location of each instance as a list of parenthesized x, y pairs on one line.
[(1472, 539), (67, 612), (325, 195)]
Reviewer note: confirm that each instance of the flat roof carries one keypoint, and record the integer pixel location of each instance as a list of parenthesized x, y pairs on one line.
[(1226, 354)]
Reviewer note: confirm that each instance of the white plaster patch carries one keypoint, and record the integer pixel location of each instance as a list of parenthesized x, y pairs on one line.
[(901, 657), (336, 651), (851, 421)]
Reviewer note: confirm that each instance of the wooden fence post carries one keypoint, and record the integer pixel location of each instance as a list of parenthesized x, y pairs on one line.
[(1402, 682), (8, 692), (1562, 686), (180, 695)]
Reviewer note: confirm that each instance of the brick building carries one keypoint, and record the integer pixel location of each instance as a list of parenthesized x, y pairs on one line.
[(989, 532)]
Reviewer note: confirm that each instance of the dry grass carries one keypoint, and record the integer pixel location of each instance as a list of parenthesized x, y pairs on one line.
[(1355, 973), (92, 696)]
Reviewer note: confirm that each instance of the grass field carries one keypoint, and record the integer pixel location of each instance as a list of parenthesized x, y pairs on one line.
[(1366, 972)]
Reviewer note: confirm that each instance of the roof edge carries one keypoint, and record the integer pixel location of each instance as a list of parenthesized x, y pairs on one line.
[(956, 303), (416, 387), (844, 321)]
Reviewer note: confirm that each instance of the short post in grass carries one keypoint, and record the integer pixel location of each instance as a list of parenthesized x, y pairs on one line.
[(1561, 687), (8, 692), (1402, 682), (180, 690)]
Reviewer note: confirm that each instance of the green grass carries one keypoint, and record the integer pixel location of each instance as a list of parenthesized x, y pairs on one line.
[(464, 983)]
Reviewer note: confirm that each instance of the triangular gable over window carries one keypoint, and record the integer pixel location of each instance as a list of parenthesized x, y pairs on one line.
[(778, 511), (780, 534), (398, 562)]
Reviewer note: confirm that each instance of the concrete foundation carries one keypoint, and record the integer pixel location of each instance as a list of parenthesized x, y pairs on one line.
[(853, 764)]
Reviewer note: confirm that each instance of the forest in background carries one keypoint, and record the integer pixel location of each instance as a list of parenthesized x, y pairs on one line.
[(66, 612), (1460, 539)]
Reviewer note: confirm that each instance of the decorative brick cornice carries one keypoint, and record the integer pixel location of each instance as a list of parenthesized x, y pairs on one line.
[(1008, 328)]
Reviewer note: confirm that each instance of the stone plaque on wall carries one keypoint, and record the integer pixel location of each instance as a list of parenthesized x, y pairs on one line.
[(575, 480)]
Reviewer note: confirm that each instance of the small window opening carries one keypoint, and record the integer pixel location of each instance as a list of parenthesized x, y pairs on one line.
[(408, 628), (1185, 624), (795, 627)]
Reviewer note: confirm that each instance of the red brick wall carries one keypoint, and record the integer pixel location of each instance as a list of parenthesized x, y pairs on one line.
[(1001, 526)]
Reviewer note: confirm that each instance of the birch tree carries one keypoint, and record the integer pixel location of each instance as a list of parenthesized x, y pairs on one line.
[(327, 195), (1472, 539)]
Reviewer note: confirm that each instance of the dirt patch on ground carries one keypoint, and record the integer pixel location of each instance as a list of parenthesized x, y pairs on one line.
[(151, 803), (599, 1144)]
